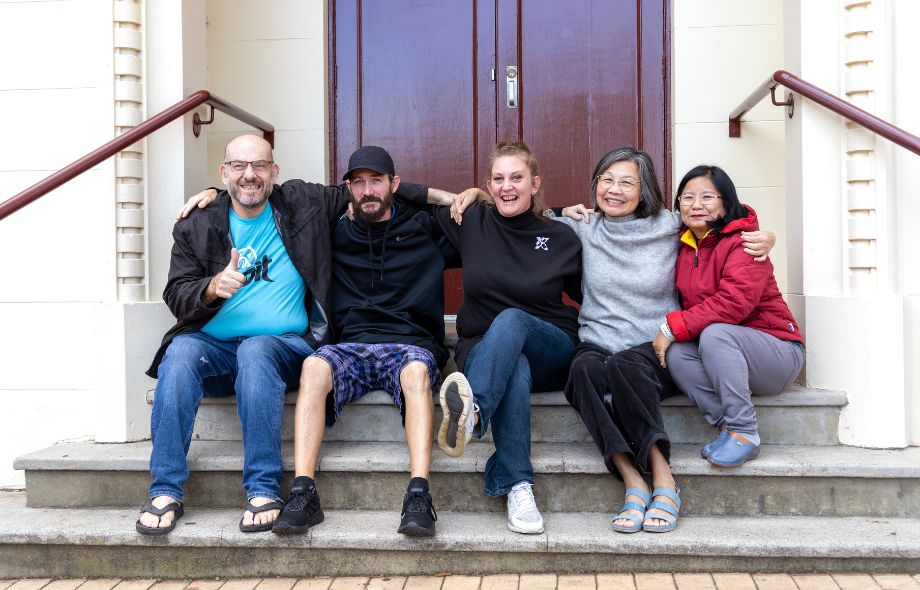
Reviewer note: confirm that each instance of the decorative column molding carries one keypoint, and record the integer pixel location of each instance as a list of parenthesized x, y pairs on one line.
[(129, 163), (861, 76)]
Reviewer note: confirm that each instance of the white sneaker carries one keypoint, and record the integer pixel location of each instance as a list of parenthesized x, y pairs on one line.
[(523, 516), (460, 414)]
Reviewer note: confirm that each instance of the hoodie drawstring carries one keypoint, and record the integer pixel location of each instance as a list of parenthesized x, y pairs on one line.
[(383, 250)]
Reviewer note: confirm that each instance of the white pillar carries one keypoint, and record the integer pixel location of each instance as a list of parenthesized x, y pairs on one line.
[(905, 183), (839, 204), (155, 179)]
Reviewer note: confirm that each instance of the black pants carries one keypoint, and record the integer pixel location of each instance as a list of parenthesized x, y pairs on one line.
[(617, 397)]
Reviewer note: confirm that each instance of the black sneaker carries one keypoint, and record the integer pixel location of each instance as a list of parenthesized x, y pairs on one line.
[(418, 513), (301, 509)]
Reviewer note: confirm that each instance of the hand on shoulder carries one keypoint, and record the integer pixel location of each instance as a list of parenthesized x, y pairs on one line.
[(201, 200)]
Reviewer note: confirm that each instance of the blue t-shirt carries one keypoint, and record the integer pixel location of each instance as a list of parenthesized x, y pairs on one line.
[(271, 301)]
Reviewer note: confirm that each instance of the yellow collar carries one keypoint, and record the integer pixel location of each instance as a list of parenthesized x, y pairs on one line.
[(689, 238)]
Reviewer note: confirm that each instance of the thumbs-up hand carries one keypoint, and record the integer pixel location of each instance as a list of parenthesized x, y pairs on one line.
[(228, 281), (234, 263)]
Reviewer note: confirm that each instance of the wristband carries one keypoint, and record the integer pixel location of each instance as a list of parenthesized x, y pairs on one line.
[(666, 330)]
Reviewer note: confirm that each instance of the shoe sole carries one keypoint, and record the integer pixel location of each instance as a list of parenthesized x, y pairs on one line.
[(516, 529), (256, 528), (736, 464), (455, 397), (283, 528), (661, 529), (413, 530)]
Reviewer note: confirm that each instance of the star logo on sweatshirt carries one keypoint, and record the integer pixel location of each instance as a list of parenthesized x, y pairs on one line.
[(541, 244)]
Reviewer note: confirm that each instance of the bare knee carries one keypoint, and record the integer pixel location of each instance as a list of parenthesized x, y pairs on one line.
[(315, 378), (415, 381)]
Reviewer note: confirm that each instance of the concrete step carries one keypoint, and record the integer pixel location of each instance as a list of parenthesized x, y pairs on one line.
[(799, 416), (570, 477), (96, 542)]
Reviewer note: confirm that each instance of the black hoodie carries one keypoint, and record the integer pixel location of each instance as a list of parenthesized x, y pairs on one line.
[(388, 280)]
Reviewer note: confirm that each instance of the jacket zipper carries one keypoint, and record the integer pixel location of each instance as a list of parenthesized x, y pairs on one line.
[(693, 271)]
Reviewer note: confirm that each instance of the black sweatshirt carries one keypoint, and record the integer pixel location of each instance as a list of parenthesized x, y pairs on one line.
[(388, 280), (520, 262)]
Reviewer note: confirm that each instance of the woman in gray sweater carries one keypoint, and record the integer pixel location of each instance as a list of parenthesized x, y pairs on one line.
[(629, 248)]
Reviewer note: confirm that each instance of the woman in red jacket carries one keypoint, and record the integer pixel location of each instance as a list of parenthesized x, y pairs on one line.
[(735, 336)]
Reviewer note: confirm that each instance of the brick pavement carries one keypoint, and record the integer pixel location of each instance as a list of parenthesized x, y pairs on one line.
[(736, 581)]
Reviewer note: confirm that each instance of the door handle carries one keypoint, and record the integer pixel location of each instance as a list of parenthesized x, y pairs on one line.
[(511, 80)]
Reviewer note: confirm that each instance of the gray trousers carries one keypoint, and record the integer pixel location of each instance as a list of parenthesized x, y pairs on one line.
[(720, 371)]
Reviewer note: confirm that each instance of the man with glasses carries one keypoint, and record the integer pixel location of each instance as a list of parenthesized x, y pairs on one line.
[(250, 285)]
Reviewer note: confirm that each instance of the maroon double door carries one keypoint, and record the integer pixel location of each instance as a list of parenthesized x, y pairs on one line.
[(438, 82)]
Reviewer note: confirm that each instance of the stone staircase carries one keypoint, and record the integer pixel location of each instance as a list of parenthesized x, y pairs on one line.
[(807, 504)]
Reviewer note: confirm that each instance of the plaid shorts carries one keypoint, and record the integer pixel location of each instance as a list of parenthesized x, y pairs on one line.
[(358, 369)]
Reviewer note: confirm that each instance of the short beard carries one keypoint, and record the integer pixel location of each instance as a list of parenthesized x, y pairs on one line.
[(385, 204), (235, 195)]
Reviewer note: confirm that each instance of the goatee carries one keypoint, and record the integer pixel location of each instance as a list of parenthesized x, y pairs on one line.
[(248, 203)]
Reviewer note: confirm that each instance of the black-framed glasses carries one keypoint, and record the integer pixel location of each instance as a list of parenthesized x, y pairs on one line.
[(240, 166)]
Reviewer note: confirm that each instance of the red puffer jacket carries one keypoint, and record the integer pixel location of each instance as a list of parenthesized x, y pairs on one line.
[(719, 283)]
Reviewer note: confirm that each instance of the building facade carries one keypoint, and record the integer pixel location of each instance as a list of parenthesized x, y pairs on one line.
[(81, 305)]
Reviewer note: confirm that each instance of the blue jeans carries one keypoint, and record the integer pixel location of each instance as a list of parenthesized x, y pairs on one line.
[(519, 353), (259, 369)]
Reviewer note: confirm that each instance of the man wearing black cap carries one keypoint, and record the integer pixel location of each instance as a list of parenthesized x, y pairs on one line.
[(388, 312)]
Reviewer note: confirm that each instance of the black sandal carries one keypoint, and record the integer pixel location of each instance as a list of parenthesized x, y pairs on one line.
[(155, 530), (265, 526)]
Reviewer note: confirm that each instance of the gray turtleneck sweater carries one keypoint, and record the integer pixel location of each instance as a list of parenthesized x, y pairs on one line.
[(628, 279)]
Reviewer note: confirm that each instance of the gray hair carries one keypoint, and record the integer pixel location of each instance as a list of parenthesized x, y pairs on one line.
[(650, 200)]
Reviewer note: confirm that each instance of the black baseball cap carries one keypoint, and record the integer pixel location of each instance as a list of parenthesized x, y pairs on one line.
[(370, 157)]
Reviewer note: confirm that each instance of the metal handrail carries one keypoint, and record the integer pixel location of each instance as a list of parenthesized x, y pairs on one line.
[(133, 135), (825, 99)]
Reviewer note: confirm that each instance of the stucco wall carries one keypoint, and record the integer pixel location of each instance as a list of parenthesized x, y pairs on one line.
[(274, 67), (56, 104), (721, 51)]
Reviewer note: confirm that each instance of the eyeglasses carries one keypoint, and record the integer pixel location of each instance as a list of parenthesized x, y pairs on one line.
[(626, 183), (240, 166), (705, 199)]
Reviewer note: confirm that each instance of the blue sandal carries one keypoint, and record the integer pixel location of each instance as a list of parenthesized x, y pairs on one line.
[(635, 519), (671, 512)]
